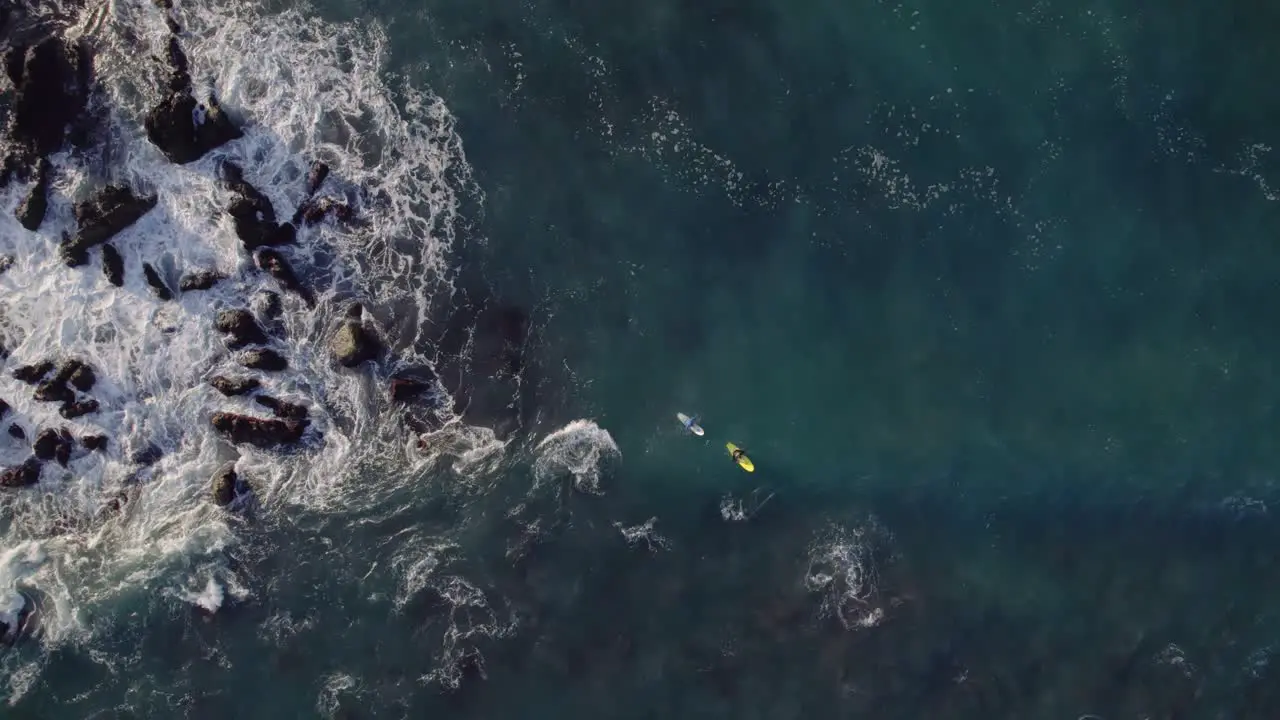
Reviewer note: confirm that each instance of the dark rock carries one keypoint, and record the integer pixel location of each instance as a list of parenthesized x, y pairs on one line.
[(78, 408), (281, 409), (16, 432), (267, 305), (275, 265), (180, 126), (66, 443), (257, 431), (406, 389), (158, 288), (99, 219), (94, 442), (263, 359), (32, 374), (28, 473), (241, 328), (223, 484), (32, 210), (113, 265), (315, 178), (77, 373), (4, 408), (352, 344), (314, 211), (149, 455), (50, 391), (46, 444), (83, 378), (6, 262), (200, 280), (253, 215), (234, 386), (52, 87)]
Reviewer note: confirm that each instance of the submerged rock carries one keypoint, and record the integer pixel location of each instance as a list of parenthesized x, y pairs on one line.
[(352, 344), (263, 359), (276, 266), (412, 383), (16, 432), (200, 280), (28, 473), (147, 456), (259, 432), (6, 262), (94, 442), (267, 305), (234, 386), (4, 408), (240, 327), (158, 288), (111, 211), (223, 484), (113, 265), (282, 409), (32, 210)]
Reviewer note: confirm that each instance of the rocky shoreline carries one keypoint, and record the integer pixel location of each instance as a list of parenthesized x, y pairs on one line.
[(54, 85)]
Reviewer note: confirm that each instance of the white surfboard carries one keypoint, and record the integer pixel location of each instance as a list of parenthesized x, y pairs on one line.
[(694, 428)]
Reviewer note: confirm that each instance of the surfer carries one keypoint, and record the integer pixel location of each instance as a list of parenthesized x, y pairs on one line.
[(740, 456), (689, 422)]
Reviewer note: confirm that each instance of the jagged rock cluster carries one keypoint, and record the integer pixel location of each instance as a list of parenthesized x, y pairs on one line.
[(53, 81)]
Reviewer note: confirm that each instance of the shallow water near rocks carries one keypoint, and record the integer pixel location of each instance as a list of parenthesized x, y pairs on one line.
[(984, 292)]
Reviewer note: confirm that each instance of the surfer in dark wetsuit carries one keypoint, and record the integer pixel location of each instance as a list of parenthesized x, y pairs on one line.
[(737, 454)]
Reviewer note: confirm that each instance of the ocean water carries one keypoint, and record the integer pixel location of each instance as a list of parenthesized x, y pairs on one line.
[(985, 291)]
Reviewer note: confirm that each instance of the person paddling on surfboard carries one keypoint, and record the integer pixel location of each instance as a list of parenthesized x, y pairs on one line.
[(740, 456)]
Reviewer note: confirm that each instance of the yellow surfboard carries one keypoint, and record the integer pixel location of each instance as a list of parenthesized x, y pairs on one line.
[(743, 460)]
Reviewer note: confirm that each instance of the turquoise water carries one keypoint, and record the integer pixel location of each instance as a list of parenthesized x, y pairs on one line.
[(985, 290)]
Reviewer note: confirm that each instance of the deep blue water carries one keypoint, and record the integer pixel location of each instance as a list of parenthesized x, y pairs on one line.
[(988, 286)]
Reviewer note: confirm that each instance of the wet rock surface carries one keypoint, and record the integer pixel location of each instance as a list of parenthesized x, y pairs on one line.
[(223, 484), (200, 280), (113, 265), (240, 327), (277, 267), (156, 283), (352, 343), (52, 83), (28, 473), (183, 128), (234, 386), (259, 432), (263, 359), (112, 210), (282, 409)]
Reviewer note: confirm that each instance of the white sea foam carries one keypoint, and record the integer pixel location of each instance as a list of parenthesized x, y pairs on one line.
[(580, 450), (842, 572), (305, 90)]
